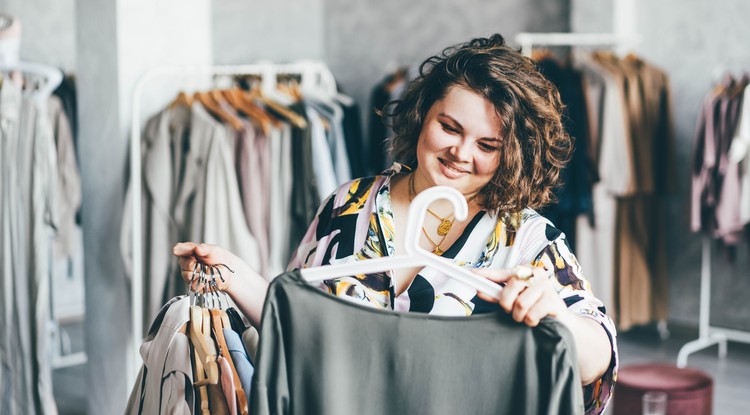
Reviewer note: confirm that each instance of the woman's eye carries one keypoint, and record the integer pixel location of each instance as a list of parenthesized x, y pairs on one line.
[(447, 128), (486, 147)]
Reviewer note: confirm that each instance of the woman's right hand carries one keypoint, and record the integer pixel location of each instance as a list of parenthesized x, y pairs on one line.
[(189, 253), (246, 287)]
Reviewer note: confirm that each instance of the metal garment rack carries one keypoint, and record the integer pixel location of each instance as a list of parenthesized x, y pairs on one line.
[(709, 335), (528, 40), (52, 77), (312, 73)]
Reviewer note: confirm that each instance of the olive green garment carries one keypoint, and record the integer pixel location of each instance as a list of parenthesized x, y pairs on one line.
[(321, 354)]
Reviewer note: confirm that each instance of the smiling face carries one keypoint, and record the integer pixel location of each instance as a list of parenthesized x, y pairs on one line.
[(459, 142)]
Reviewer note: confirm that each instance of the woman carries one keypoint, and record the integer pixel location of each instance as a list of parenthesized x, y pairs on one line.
[(481, 119)]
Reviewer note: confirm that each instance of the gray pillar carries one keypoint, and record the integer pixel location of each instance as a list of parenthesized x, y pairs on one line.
[(117, 41)]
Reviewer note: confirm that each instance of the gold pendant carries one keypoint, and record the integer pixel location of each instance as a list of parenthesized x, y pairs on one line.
[(437, 251), (444, 227)]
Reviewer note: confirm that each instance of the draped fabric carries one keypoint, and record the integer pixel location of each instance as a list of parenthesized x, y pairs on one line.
[(356, 223)]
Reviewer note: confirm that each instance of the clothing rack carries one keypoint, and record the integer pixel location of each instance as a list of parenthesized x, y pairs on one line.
[(528, 40), (313, 75), (51, 78), (709, 335)]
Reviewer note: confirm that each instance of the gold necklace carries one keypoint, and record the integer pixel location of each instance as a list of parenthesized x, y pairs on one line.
[(436, 250), (445, 222), (443, 228)]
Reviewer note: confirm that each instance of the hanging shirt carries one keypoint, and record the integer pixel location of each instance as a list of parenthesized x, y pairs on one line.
[(739, 153), (356, 223), (320, 355), (160, 387), (28, 216)]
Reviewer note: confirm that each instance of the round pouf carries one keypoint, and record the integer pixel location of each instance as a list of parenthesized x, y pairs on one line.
[(689, 391)]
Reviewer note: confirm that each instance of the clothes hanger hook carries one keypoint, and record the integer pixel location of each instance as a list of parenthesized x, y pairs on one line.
[(418, 210)]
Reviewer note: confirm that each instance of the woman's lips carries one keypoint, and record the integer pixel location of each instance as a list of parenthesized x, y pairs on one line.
[(450, 170)]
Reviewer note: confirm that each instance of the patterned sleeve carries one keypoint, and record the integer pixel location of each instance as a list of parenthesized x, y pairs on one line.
[(576, 292), (308, 249)]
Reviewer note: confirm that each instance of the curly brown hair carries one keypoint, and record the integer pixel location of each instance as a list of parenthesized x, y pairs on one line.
[(534, 146)]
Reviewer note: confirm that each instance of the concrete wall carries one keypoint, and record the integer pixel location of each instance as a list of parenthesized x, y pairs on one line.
[(117, 41), (48, 30), (280, 31), (689, 40), (364, 40)]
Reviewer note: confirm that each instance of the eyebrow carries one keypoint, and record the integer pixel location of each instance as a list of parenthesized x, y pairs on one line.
[(442, 114)]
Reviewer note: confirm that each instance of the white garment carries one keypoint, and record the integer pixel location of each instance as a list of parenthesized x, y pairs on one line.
[(28, 180), (595, 245), (161, 386), (223, 221), (739, 152)]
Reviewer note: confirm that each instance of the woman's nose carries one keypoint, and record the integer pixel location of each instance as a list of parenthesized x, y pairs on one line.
[(460, 151)]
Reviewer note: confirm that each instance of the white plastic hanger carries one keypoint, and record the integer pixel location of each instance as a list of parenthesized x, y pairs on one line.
[(415, 256), (52, 76)]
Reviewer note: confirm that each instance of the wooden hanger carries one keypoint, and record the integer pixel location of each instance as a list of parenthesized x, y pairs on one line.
[(738, 87), (200, 383), (203, 345), (218, 325), (291, 88), (182, 99), (632, 58), (291, 116), (215, 109), (605, 56), (255, 113), (249, 100), (540, 54)]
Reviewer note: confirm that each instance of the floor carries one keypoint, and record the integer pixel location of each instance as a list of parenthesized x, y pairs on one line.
[(731, 376)]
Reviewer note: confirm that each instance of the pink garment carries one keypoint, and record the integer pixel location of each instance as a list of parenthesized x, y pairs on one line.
[(227, 384)]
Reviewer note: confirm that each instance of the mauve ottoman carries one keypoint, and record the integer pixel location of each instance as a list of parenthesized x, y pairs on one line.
[(689, 391)]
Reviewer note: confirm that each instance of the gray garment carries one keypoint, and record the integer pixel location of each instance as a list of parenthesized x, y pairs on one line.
[(252, 154), (223, 221), (240, 359), (280, 141), (28, 181), (320, 354), (336, 139), (161, 154), (68, 179), (162, 383), (207, 206), (304, 199)]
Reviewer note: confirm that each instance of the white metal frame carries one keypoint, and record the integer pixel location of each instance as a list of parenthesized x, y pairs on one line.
[(313, 73), (528, 40), (709, 335), (53, 76)]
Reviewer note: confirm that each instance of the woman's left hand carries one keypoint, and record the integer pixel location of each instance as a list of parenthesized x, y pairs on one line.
[(528, 300)]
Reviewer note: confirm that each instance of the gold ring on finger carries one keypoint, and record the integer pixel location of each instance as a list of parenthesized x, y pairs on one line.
[(524, 273)]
